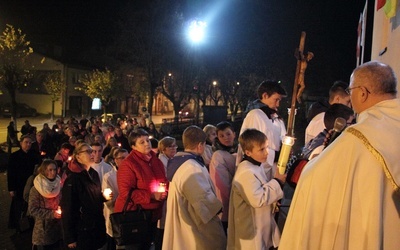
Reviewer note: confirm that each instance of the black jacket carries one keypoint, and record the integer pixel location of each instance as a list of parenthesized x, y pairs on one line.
[(20, 167), (82, 210)]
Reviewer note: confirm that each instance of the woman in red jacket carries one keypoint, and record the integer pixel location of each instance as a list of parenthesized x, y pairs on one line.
[(143, 172)]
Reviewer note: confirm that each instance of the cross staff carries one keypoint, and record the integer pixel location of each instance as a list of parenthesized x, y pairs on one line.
[(301, 67)]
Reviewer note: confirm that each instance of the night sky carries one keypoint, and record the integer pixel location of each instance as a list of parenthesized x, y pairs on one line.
[(270, 28)]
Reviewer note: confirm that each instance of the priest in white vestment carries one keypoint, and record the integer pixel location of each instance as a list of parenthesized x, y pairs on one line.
[(347, 197)]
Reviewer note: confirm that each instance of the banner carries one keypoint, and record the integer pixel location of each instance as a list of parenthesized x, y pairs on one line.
[(390, 8)]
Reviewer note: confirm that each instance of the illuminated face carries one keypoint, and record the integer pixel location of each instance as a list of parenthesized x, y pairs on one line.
[(26, 144), (97, 152), (212, 135), (85, 156), (170, 151), (143, 145), (51, 171), (226, 137), (120, 158), (39, 137), (272, 101), (259, 152)]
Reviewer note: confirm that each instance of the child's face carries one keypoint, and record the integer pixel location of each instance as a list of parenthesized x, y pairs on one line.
[(226, 137), (212, 135), (259, 152)]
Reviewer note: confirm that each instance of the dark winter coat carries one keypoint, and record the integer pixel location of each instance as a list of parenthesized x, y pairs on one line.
[(82, 210), (20, 167)]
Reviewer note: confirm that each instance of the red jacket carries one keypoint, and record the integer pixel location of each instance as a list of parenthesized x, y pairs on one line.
[(144, 175)]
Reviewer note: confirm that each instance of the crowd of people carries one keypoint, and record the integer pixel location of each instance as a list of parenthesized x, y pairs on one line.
[(221, 190)]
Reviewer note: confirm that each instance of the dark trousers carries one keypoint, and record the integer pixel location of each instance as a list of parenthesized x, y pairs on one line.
[(18, 208)]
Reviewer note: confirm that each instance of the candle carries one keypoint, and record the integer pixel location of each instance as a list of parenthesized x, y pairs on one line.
[(161, 188), (69, 158), (58, 210), (119, 144), (42, 153), (287, 144), (107, 192)]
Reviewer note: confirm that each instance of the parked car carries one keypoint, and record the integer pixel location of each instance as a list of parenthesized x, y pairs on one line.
[(22, 110), (113, 117), (186, 113)]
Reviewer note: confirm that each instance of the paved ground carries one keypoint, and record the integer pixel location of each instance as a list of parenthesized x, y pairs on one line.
[(8, 239)]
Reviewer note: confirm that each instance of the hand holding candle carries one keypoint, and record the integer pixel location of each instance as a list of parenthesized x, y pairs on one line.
[(107, 193), (287, 144), (57, 213), (161, 191)]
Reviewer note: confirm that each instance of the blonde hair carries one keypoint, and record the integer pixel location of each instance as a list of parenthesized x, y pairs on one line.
[(165, 142), (43, 167)]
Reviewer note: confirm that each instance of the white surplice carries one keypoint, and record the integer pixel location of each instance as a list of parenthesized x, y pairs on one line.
[(343, 199)]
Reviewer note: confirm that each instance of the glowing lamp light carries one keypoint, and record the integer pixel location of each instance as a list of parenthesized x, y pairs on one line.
[(197, 30), (107, 192), (162, 187), (119, 144), (69, 158), (287, 144), (58, 210)]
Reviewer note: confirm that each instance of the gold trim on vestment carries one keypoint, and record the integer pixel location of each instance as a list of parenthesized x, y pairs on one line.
[(376, 154)]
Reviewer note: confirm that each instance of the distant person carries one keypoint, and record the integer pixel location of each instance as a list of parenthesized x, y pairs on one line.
[(26, 128), (254, 190), (111, 142), (20, 166), (153, 132), (154, 145), (90, 138), (165, 129), (347, 197), (42, 147), (192, 206), (12, 138), (122, 141), (99, 164)]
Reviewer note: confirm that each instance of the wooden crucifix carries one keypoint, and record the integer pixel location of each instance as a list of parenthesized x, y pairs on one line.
[(302, 61)]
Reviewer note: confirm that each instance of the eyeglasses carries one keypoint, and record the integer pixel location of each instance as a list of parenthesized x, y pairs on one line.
[(89, 151), (348, 90)]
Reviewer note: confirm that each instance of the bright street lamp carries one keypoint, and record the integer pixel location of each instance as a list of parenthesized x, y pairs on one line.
[(197, 31)]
